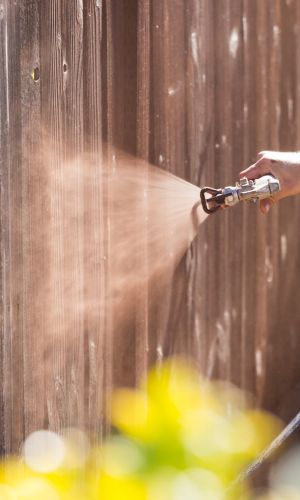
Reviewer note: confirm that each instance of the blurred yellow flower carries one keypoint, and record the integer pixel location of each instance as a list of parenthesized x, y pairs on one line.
[(179, 437)]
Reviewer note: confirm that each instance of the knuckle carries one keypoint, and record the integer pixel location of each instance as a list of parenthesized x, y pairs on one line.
[(263, 161), (261, 154), (264, 155)]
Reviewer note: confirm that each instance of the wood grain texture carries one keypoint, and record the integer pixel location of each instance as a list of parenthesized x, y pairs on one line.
[(197, 87)]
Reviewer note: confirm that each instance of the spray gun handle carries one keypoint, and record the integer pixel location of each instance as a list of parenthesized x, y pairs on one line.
[(257, 189)]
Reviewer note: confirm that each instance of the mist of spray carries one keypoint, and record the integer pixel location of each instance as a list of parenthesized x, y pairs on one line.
[(102, 241)]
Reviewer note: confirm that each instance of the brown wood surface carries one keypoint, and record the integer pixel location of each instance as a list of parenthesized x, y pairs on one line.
[(197, 87)]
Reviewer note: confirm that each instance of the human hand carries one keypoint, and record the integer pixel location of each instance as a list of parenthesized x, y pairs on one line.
[(284, 166)]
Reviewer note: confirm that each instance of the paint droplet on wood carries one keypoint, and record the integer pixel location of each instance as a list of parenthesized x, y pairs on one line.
[(172, 91), (194, 47), (290, 108), (278, 111), (276, 33), (159, 351), (234, 42), (268, 266), (283, 247), (245, 28), (258, 363)]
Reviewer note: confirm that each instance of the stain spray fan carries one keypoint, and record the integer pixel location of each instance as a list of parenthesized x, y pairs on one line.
[(244, 190)]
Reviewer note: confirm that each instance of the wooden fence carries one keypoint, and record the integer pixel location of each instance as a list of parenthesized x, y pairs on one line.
[(198, 87)]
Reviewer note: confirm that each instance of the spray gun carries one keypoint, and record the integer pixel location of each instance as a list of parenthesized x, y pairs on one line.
[(244, 190)]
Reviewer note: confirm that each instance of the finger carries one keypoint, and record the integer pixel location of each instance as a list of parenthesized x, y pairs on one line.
[(261, 167), (265, 206), (262, 154)]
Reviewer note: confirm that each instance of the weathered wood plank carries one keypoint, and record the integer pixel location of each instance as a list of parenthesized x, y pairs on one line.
[(11, 227), (33, 264)]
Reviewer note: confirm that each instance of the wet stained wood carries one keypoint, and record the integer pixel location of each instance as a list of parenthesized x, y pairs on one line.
[(197, 87)]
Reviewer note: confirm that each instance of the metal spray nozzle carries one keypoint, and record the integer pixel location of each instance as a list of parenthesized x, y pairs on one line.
[(244, 190)]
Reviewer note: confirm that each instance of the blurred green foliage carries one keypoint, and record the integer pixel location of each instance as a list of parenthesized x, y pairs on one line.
[(178, 437)]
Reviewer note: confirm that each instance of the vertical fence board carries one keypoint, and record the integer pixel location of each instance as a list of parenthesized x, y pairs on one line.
[(33, 345), (97, 345), (12, 211), (142, 130)]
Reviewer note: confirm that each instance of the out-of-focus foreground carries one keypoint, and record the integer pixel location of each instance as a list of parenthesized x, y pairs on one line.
[(177, 436)]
